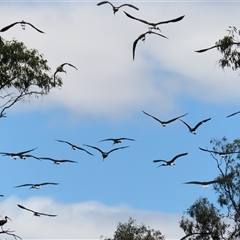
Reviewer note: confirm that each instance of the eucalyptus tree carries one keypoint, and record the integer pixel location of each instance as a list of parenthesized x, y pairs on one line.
[(220, 220), (132, 231), (24, 73), (229, 48)]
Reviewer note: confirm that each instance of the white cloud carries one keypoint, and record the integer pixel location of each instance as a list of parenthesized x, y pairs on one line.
[(84, 220), (108, 82)]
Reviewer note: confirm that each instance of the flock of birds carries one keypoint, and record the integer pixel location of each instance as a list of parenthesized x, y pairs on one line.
[(104, 154)]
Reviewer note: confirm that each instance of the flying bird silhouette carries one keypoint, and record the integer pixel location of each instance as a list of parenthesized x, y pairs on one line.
[(115, 9), (222, 154), (37, 185), (143, 37), (105, 154), (165, 123), (233, 114), (117, 140), (171, 162), (55, 161), (23, 24), (204, 184), (193, 130), (74, 147), (3, 221), (60, 69), (20, 155), (37, 214), (152, 26), (206, 49)]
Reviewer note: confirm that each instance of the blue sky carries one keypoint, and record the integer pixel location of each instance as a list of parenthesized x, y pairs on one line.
[(105, 99)]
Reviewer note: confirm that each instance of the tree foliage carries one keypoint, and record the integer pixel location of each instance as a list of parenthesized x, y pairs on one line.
[(23, 73), (229, 48), (132, 231), (224, 221)]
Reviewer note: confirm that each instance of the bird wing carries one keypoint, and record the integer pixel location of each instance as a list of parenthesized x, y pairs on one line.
[(67, 161), (140, 37), (7, 27), (160, 161), (135, 43), (48, 158), (131, 139), (45, 183), (79, 148), (194, 182), (117, 149), (34, 27), (130, 16), (129, 5), (233, 114), (20, 153), (107, 139), (172, 20), (69, 65), (186, 124), (206, 150), (29, 155), (25, 208), (200, 123), (24, 185), (153, 117), (171, 120), (103, 2), (179, 155), (45, 214), (94, 147), (206, 49)]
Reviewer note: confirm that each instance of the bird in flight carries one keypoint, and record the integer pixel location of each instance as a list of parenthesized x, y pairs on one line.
[(233, 114), (117, 140), (105, 154), (171, 162), (21, 155), (204, 184), (74, 147), (165, 123), (55, 161), (193, 130), (152, 26), (37, 214), (115, 9), (222, 154), (23, 24), (37, 185), (60, 69), (143, 37)]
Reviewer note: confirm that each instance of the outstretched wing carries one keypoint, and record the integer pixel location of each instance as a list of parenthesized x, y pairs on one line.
[(69, 65), (7, 27), (233, 114), (141, 37), (153, 117), (206, 49), (94, 147), (25, 208), (34, 27), (179, 155), (24, 185), (200, 123), (21, 153), (141, 20), (172, 20), (171, 120), (117, 149), (104, 2), (129, 5)]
